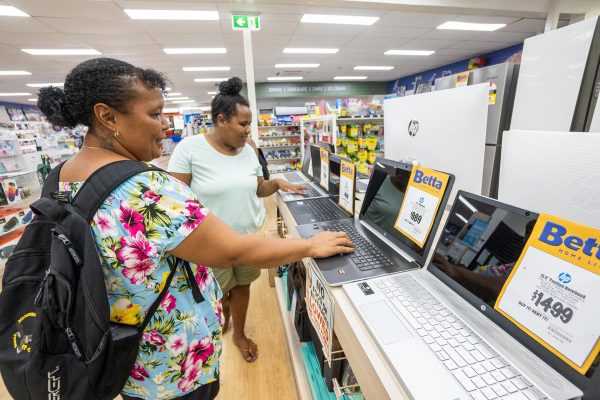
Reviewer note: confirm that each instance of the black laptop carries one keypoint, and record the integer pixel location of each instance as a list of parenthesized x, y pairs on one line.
[(309, 211), (314, 189), (380, 249)]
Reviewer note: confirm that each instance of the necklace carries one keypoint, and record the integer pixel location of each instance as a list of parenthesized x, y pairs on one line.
[(97, 148)]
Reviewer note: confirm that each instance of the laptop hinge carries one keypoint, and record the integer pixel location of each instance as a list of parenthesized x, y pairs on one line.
[(389, 243)]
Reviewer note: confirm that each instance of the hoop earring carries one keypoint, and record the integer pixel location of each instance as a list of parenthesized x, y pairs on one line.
[(116, 134)]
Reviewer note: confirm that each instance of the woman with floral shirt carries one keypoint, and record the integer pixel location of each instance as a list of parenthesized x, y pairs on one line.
[(152, 222)]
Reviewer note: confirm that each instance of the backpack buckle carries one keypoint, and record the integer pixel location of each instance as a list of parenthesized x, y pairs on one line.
[(62, 196)]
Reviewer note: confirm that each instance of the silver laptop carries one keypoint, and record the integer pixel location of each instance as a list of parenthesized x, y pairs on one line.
[(313, 188), (438, 328), (302, 176)]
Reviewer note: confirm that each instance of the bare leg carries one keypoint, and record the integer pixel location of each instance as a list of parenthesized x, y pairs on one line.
[(226, 311), (239, 298)]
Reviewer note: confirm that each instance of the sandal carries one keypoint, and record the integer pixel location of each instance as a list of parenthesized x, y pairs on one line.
[(251, 354)]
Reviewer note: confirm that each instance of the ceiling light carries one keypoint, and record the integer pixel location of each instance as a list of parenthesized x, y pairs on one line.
[(338, 19), (372, 68), (178, 98), (15, 73), (184, 101), (349, 78), (37, 85), (168, 89), (170, 110), (285, 78), (173, 14), (201, 108), (10, 11), (297, 50), (210, 79), (297, 65), (211, 92), (466, 203), (172, 94), (14, 94), (470, 26), (195, 50), (32, 100), (409, 52), (205, 69), (62, 52)]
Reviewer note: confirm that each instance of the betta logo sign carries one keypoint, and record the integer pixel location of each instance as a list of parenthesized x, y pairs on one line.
[(427, 180), (413, 127), (346, 169), (554, 235)]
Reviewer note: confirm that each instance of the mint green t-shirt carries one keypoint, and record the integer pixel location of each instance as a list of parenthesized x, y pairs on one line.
[(225, 184)]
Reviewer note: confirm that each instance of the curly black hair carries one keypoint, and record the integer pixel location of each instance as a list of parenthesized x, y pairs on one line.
[(226, 101), (99, 80)]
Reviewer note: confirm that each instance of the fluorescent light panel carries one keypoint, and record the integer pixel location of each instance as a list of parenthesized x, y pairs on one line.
[(199, 80), (349, 78), (470, 26), (338, 19), (10, 11), (463, 219), (178, 98), (170, 110), (308, 50), (62, 52), (192, 15), (39, 85), (14, 94), (195, 50), (372, 68), (297, 65), (184, 101), (466, 203), (211, 92), (170, 94), (206, 69), (31, 99), (285, 78), (168, 89), (15, 73), (409, 52)]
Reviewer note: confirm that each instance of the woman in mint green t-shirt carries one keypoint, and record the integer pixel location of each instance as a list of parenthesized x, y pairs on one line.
[(224, 172)]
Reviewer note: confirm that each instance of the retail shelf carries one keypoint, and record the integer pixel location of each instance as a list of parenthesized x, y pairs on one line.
[(294, 345), (14, 174), (282, 159), (278, 136), (319, 118), (359, 118), (285, 146), (279, 126)]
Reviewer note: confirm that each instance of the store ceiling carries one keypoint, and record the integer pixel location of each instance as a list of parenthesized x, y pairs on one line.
[(102, 25)]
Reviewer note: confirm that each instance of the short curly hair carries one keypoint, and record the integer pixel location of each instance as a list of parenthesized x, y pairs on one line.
[(99, 80), (229, 97)]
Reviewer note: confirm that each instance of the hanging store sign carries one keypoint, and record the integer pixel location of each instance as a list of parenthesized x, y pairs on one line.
[(319, 89)]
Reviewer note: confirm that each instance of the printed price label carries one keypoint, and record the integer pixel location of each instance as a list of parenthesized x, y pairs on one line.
[(325, 169), (421, 202), (320, 309), (553, 291), (347, 173)]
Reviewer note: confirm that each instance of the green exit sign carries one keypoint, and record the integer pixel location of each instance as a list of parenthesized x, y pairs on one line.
[(243, 22)]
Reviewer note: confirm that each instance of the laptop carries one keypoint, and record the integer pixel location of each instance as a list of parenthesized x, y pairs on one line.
[(302, 176), (380, 249), (314, 189), (439, 322), (324, 209)]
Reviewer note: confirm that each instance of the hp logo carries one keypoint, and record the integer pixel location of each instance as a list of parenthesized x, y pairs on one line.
[(483, 307), (564, 277), (421, 200), (413, 127)]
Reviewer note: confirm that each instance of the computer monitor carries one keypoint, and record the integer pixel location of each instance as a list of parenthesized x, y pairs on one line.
[(315, 159), (477, 249), (443, 130), (326, 146)]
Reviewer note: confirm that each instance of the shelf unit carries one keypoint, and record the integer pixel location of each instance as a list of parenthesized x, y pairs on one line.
[(282, 140)]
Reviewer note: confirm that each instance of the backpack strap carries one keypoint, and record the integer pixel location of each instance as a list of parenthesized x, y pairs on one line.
[(52, 180), (103, 181)]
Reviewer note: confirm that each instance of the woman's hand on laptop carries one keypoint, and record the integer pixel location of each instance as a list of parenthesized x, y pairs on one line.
[(287, 187), (327, 244)]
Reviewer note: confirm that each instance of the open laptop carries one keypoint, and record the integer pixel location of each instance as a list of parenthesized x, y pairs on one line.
[(380, 249), (302, 176), (313, 188), (323, 209), (437, 325)]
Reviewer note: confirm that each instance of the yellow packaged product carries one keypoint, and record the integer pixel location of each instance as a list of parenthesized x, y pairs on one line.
[(371, 143), (344, 141), (352, 147), (372, 157), (362, 155), (362, 167), (362, 143)]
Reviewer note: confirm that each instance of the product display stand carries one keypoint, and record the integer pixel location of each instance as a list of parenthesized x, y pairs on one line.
[(320, 128), (281, 145)]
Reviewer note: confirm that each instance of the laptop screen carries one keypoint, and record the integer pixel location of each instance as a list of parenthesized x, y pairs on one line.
[(315, 158), (306, 160), (477, 249), (384, 197), (335, 165)]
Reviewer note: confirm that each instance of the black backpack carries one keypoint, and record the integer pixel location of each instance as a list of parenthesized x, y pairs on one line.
[(56, 340)]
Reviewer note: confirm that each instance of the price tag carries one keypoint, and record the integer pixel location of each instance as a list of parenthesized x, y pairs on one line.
[(325, 169), (348, 171), (421, 202), (320, 309), (553, 291)]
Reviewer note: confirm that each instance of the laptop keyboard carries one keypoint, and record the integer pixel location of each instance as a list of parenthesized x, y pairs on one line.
[(365, 256), (324, 210), (480, 370), (294, 177), (310, 192)]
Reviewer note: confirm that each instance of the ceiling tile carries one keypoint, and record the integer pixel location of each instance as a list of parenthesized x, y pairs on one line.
[(34, 40), (88, 25), (526, 25), (31, 25), (424, 20), (300, 40), (70, 9), (444, 34), (514, 37), (399, 32)]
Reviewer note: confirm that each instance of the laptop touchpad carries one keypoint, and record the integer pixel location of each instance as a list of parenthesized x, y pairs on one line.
[(385, 323)]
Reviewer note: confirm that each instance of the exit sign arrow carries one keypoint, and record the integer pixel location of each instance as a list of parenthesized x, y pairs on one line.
[(245, 22)]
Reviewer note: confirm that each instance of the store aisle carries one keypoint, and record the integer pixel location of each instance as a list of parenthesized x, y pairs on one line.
[(271, 376)]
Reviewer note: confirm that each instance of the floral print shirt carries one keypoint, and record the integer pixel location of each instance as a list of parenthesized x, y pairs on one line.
[(145, 217)]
